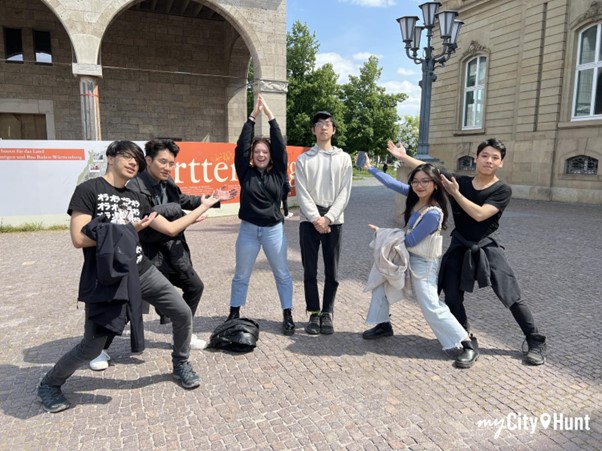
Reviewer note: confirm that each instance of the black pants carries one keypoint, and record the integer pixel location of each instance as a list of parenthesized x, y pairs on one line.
[(501, 277), (192, 289), (191, 285), (158, 292), (310, 240)]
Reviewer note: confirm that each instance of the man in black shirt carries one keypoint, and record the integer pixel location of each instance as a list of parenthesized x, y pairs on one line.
[(474, 255), (171, 255), (104, 207)]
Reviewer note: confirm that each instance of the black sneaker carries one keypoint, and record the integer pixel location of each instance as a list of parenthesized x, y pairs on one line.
[(52, 398), (536, 354), (313, 327), (378, 331), (326, 326), (186, 375)]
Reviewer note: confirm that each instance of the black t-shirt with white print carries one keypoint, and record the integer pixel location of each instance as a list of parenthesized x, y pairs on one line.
[(97, 197)]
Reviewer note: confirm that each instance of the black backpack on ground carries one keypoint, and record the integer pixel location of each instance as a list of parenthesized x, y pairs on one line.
[(238, 335)]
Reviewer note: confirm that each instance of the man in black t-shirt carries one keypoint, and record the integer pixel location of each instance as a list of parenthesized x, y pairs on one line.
[(106, 202), (474, 255)]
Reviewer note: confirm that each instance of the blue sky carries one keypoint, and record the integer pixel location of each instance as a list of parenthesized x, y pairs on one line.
[(349, 31)]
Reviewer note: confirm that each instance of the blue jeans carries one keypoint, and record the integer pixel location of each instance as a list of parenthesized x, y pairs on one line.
[(423, 274), (251, 239), (445, 326)]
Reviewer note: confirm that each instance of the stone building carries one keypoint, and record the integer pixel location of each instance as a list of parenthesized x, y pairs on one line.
[(525, 72), (132, 69)]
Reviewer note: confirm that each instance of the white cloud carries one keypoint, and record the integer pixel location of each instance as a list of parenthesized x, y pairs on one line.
[(364, 56), (406, 72), (371, 3), (342, 66), (411, 105)]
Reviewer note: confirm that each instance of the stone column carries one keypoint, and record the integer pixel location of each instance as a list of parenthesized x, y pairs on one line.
[(88, 90)]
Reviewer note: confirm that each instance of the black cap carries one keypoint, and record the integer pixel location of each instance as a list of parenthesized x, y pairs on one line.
[(320, 115)]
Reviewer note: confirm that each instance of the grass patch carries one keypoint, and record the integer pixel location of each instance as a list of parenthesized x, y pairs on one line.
[(30, 227), (360, 174)]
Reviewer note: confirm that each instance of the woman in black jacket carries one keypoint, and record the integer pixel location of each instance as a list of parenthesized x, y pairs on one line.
[(261, 167)]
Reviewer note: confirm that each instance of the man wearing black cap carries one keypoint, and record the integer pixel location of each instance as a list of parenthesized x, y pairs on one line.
[(323, 180)]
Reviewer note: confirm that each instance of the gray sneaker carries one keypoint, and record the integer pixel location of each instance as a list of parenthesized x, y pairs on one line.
[(313, 327), (52, 398), (536, 352), (184, 374), (326, 327)]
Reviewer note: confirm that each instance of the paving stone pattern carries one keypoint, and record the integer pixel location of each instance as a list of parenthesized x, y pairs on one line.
[(316, 392)]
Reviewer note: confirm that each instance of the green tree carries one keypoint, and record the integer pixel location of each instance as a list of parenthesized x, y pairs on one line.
[(408, 133), (370, 113), (309, 89)]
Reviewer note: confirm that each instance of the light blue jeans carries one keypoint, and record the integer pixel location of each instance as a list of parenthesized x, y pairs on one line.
[(444, 325), (251, 239)]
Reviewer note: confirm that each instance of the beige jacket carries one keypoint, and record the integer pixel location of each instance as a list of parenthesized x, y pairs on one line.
[(391, 265)]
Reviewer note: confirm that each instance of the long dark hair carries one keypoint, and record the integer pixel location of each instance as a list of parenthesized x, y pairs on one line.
[(437, 199)]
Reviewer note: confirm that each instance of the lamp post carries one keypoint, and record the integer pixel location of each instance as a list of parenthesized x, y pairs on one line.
[(410, 34)]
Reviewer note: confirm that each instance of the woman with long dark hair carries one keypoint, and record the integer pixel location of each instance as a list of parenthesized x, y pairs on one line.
[(425, 216)]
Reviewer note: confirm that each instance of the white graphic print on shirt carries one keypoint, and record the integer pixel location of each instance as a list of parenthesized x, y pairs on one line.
[(120, 210)]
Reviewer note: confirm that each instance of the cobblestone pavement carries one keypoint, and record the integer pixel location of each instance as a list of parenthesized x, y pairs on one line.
[(323, 392)]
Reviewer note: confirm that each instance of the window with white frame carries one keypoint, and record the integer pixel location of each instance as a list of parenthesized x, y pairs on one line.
[(474, 93), (582, 164), (587, 101)]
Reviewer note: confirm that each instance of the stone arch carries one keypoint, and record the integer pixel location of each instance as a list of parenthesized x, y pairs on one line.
[(220, 84)]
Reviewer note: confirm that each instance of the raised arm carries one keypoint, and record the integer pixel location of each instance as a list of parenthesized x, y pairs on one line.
[(278, 148), (401, 154), (242, 152)]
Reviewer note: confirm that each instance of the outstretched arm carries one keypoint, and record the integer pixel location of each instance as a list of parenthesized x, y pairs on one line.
[(387, 180), (173, 228)]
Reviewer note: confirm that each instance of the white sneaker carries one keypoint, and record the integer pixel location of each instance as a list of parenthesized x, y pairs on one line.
[(101, 362), (197, 343), (290, 215)]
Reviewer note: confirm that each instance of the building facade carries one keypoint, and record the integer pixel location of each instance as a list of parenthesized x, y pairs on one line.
[(525, 72), (132, 69)]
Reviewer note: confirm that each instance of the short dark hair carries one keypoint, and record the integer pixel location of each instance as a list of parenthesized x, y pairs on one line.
[(127, 147), (154, 146), (322, 115), (495, 143)]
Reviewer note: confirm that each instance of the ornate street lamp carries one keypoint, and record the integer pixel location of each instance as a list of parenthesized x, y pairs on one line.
[(449, 28)]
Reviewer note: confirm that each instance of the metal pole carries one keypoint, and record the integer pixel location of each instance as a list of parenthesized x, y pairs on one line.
[(426, 84)]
